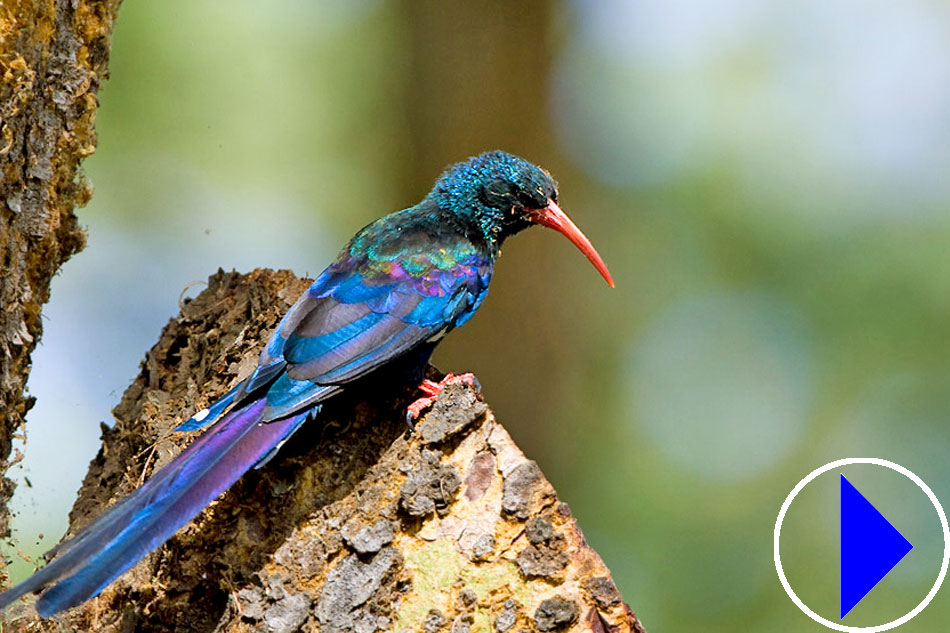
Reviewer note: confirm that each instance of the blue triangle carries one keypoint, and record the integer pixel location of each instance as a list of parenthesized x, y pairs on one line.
[(870, 547)]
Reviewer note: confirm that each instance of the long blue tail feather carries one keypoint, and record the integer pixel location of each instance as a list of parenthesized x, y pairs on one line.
[(148, 517)]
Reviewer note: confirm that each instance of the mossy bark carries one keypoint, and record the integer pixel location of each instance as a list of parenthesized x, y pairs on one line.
[(53, 59), (356, 525)]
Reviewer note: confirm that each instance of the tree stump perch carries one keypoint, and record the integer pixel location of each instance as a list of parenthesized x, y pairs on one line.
[(356, 525)]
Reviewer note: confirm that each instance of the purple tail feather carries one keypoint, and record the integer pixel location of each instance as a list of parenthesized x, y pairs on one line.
[(136, 525)]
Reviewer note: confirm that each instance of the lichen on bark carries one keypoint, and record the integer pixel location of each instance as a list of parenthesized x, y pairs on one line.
[(53, 60), (356, 525)]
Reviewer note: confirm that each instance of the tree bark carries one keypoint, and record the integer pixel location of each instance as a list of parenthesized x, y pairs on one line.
[(356, 525), (53, 59)]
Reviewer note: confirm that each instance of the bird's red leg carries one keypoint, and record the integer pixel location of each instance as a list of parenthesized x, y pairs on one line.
[(432, 390)]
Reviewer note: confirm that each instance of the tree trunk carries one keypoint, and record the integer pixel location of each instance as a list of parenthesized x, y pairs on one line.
[(53, 58), (356, 525), (479, 79)]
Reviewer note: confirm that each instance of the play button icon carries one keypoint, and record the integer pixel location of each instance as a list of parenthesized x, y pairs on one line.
[(870, 546)]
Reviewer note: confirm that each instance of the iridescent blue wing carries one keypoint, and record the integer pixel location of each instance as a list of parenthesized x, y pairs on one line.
[(386, 294)]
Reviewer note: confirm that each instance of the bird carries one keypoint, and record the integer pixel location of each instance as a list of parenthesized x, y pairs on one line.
[(380, 308)]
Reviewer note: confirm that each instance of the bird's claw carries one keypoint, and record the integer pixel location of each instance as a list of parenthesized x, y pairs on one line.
[(432, 390)]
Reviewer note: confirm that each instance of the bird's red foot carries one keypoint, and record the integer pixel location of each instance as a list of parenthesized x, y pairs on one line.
[(432, 390)]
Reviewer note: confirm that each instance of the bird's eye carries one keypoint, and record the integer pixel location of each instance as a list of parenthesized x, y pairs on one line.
[(496, 193), (497, 187), (532, 199)]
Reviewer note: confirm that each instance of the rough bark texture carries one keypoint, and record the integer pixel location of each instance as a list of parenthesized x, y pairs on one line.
[(53, 58), (356, 525)]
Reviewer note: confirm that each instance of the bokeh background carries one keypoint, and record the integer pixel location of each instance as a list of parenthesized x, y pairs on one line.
[(767, 180)]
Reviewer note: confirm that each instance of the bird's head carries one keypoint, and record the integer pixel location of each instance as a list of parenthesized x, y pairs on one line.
[(503, 194)]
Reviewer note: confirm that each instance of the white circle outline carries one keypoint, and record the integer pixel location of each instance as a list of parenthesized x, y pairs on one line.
[(920, 484)]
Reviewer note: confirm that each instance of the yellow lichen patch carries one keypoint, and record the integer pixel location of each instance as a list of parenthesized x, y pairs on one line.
[(94, 23), (482, 622), (434, 568), (439, 571), (489, 578), (11, 20), (17, 87)]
